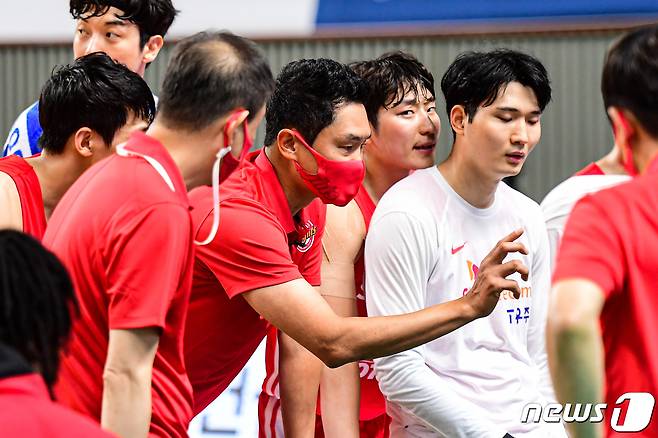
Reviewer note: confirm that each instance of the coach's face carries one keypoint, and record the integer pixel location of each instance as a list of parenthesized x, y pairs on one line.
[(500, 136), (342, 140)]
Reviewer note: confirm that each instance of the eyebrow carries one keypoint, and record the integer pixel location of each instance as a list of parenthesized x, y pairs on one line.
[(352, 137), (508, 109)]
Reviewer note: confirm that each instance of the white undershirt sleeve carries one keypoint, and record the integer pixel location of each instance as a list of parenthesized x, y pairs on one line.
[(400, 255)]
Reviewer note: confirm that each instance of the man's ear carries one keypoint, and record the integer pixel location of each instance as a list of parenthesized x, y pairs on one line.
[(286, 143), (85, 141), (623, 126), (458, 119), (234, 132), (152, 48)]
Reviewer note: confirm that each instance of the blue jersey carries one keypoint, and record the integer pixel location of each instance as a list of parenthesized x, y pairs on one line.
[(24, 135)]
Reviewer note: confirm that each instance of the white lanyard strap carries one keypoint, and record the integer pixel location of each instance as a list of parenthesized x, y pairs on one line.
[(123, 152)]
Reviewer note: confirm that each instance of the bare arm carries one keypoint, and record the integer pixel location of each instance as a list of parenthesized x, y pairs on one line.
[(575, 350), (127, 377), (301, 372), (295, 308), (11, 215)]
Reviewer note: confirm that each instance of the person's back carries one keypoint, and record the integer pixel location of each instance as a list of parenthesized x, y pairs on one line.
[(26, 409), (32, 332), (115, 290)]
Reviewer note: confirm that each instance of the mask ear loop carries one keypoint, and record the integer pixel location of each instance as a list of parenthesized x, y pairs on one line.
[(215, 197), (215, 181)]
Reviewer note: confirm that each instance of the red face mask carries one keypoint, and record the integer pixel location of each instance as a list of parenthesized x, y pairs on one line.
[(336, 182)]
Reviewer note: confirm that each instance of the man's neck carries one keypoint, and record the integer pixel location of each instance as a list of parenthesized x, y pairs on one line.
[(183, 148), (380, 177), (56, 173), (610, 164), (298, 197), (469, 183)]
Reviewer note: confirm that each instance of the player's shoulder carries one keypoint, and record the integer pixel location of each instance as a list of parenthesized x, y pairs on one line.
[(419, 194), (572, 189), (516, 201)]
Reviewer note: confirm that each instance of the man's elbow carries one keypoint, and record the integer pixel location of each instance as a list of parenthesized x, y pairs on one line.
[(124, 376)]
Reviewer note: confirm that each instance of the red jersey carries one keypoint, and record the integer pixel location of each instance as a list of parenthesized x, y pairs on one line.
[(259, 243), (124, 232), (372, 403), (27, 411), (590, 169), (29, 192), (611, 238)]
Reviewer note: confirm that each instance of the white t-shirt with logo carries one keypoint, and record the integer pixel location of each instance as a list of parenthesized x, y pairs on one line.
[(557, 205), (424, 247)]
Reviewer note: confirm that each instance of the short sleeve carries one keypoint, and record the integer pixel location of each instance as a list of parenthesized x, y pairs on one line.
[(145, 262), (591, 247), (250, 249)]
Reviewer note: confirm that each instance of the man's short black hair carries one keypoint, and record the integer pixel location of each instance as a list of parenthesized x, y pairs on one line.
[(210, 74), (630, 76), (476, 79), (306, 97), (389, 78), (93, 92), (152, 17)]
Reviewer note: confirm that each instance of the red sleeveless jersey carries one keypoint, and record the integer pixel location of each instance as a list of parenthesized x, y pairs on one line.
[(29, 192), (372, 403)]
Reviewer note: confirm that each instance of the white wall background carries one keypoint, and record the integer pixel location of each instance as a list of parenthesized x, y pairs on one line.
[(47, 21)]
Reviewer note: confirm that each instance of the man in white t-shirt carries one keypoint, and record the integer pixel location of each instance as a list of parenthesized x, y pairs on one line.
[(428, 236)]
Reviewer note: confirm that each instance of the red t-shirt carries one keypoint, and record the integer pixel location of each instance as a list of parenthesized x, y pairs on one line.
[(611, 238), (29, 193), (126, 238), (590, 169), (259, 243), (27, 411)]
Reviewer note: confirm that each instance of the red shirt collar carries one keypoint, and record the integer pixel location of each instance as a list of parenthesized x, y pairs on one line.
[(146, 145), (273, 193), (25, 384)]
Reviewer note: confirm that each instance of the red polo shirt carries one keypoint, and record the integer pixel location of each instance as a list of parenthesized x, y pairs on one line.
[(259, 243), (590, 169), (611, 238), (29, 193), (126, 238), (27, 411)]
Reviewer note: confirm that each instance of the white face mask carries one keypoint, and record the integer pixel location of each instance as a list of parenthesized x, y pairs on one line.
[(215, 196)]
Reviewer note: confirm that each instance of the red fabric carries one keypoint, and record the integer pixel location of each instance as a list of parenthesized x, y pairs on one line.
[(258, 244), (29, 192), (611, 238), (590, 169), (27, 411), (126, 239), (373, 403)]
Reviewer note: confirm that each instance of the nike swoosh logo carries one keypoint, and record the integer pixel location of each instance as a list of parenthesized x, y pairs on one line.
[(459, 248)]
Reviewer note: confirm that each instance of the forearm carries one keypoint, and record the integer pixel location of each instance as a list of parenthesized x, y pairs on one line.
[(126, 409), (300, 373), (367, 338), (576, 360), (340, 401)]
